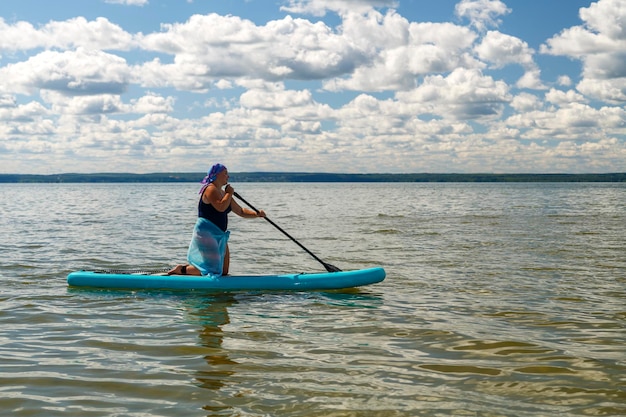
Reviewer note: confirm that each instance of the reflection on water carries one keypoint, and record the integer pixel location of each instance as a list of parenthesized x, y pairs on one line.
[(211, 314)]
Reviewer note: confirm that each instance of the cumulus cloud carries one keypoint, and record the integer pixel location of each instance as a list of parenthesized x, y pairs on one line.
[(91, 105), (564, 98), (152, 104), (101, 104), (396, 52), (209, 48), (275, 100), (23, 113), (482, 14), (501, 50), (464, 94), (79, 72), (564, 80), (613, 90), (7, 100), (320, 7), (526, 102), (607, 17), (72, 33), (574, 121), (128, 2), (600, 44), (371, 52)]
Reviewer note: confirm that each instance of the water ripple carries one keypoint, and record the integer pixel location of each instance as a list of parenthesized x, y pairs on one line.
[(502, 300)]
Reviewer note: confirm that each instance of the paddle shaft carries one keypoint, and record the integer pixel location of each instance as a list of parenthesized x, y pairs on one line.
[(329, 267)]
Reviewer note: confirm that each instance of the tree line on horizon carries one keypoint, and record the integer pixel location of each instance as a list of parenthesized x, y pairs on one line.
[(309, 177)]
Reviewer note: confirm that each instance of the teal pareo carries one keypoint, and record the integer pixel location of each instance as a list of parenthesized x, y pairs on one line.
[(208, 247)]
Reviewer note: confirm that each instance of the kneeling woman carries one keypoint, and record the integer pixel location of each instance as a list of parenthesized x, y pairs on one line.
[(208, 251)]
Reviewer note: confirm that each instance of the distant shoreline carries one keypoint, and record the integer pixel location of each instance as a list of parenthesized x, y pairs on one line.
[(308, 177)]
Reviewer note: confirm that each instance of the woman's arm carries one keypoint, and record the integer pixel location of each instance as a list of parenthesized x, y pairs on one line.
[(245, 212), (214, 197)]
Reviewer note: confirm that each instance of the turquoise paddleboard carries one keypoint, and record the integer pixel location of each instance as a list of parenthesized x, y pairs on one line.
[(297, 282)]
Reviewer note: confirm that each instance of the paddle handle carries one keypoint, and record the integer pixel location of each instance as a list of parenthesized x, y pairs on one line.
[(329, 267)]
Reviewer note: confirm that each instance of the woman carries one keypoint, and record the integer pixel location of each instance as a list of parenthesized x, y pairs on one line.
[(208, 251)]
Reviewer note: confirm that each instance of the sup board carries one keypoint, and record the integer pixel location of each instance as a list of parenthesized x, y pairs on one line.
[(294, 282)]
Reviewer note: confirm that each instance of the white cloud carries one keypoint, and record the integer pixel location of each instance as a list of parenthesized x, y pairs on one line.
[(128, 2), (572, 122), (564, 80), (275, 100), (464, 94), (224, 84), (79, 72), (152, 104), (210, 48), (397, 52), (525, 102), (482, 14), (320, 7), (373, 52), (600, 44), (607, 17), (564, 98), (101, 104), (72, 33), (89, 105), (531, 80), (23, 113), (502, 50), (7, 100), (20, 36), (612, 90)]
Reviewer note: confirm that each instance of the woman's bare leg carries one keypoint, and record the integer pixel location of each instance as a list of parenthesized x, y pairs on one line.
[(187, 269), (226, 261)]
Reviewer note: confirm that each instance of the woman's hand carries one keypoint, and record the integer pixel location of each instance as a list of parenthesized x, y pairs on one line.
[(260, 213)]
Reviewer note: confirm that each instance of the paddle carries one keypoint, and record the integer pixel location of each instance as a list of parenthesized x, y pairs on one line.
[(329, 267)]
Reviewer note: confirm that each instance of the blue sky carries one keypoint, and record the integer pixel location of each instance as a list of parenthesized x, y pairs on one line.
[(359, 86)]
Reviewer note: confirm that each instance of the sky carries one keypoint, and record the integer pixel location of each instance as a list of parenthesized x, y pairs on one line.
[(341, 86)]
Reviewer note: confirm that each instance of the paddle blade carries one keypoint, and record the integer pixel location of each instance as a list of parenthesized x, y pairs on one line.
[(331, 268)]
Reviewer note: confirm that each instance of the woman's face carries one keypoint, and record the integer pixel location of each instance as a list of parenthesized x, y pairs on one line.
[(223, 176)]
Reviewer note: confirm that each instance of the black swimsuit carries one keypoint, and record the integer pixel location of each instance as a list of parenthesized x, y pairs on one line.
[(218, 218)]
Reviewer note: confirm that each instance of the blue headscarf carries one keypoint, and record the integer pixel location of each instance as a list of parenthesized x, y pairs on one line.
[(211, 176)]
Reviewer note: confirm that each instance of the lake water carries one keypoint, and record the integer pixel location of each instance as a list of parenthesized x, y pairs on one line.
[(500, 300)]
